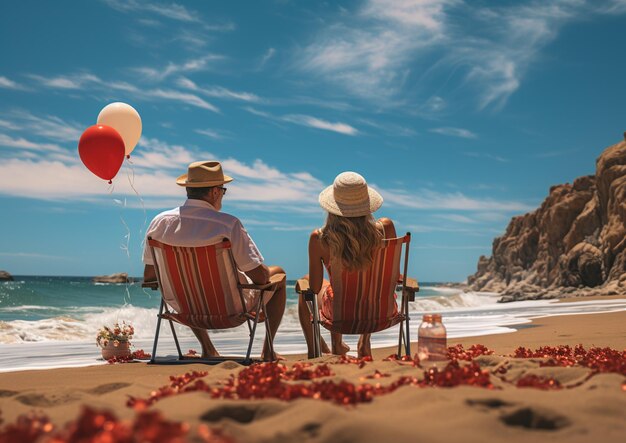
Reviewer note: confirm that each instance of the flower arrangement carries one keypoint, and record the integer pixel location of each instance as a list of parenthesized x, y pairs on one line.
[(116, 335)]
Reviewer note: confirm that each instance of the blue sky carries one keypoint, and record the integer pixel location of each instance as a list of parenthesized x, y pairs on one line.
[(462, 114)]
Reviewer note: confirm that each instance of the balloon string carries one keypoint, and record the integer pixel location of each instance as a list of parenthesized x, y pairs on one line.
[(131, 181), (125, 247), (130, 175)]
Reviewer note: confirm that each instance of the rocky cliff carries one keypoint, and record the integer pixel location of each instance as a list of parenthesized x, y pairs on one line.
[(5, 276), (574, 243)]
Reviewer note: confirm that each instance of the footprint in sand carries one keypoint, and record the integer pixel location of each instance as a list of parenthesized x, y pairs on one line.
[(109, 387), (536, 419), (47, 401), (229, 365), (242, 413), (488, 403)]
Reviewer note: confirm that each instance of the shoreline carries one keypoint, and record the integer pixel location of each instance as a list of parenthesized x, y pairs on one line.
[(526, 315)]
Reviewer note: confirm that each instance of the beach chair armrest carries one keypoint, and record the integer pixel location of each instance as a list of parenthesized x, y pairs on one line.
[(303, 288), (412, 286), (302, 285), (154, 285), (274, 280)]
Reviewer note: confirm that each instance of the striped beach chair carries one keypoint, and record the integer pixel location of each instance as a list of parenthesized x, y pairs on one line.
[(202, 284), (364, 302)]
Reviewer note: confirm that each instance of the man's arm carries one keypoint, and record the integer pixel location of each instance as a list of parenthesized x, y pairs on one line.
[(259, 275)]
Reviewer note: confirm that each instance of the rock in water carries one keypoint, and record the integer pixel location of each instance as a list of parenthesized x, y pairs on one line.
[(576, 240), (121, 277), (5, 276)]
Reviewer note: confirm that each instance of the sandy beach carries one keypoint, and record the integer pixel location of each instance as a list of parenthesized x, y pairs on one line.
[(585, 407)]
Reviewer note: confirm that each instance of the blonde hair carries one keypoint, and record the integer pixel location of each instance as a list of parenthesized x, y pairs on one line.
[(351, 239)]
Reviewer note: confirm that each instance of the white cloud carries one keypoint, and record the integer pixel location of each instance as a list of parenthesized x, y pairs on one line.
[(155, 154), (184, 97), (454, 132), (434, 104), (389, 128), (458, 218), (49, 126), (427, 199), (369, 57), (151, 173), (76, 81), (307, 120), (218, 91), (313, 122), (192, 65), (258, 170), (419, 13), (210, 133), (11, 126), (266, 57), (88, 81), (613, 7), (387, 48), (9, 84), (172, 11), (255, 111), (22, 143)]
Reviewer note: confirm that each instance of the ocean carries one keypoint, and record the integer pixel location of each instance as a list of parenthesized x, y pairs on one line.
[(48, 322)]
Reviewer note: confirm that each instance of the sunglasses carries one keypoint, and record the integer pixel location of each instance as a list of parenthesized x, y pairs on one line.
[(223, 189)]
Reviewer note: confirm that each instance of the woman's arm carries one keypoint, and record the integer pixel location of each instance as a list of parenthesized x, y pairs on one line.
[(316, 266)]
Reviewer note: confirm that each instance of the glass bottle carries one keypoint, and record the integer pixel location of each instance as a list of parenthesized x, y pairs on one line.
[(432, 339)]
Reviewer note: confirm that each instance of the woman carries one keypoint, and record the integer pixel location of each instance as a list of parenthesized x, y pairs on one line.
[(347, 241)]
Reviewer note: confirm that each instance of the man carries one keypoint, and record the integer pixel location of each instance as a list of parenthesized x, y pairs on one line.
[(199, 222)]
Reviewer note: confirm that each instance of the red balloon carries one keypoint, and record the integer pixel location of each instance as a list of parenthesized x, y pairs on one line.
[(101, 149)]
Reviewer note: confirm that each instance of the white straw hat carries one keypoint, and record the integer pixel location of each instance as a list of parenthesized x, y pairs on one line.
[(349, 196)]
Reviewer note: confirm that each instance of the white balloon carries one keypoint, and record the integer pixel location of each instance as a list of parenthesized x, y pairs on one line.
[(125, 120)]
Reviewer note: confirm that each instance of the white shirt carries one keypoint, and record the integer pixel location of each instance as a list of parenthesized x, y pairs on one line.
[(198, 223)]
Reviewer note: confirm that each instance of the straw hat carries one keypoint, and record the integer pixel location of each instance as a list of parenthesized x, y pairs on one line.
[(203, 174), (349, 196)]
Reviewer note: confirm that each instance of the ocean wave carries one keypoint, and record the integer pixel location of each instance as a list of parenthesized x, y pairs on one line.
[(465, 314), (83, 323), (31, 307), (439, 303), (441, 289), (50, 329)]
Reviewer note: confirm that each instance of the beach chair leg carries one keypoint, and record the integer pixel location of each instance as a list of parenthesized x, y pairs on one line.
[(400, 339), (268, 335), (317, 347), (180, 354), (256, 321), (156, 334), (407, 336)]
